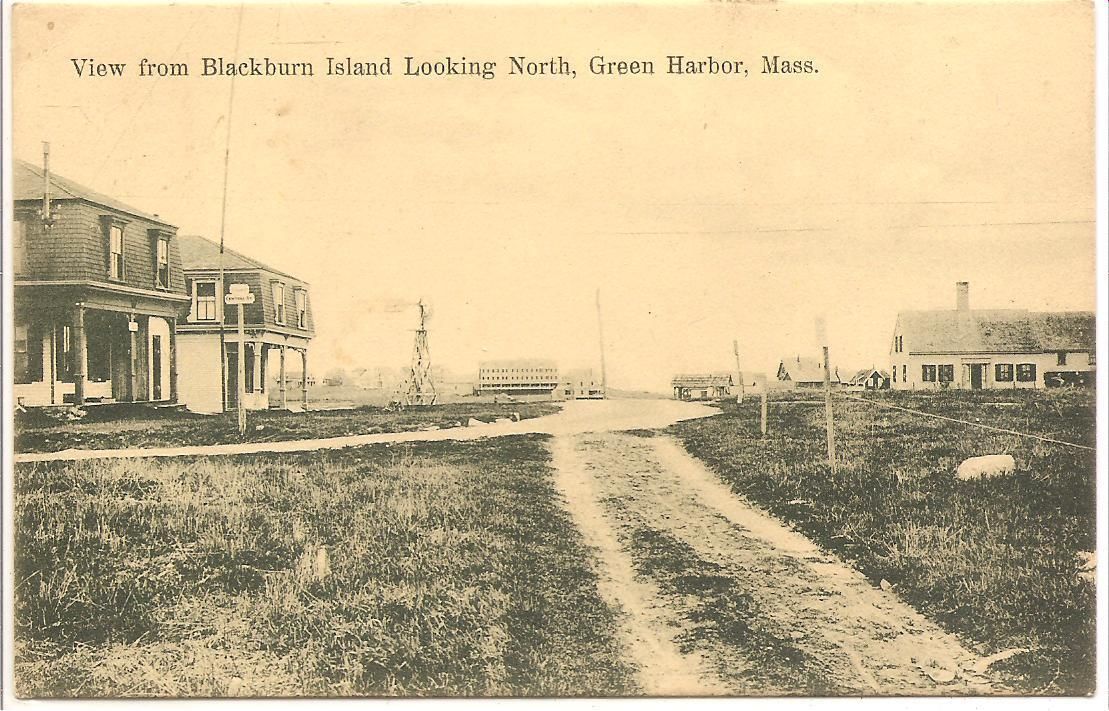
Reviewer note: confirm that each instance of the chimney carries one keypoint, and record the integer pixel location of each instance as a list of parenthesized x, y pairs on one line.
[(962, 296)]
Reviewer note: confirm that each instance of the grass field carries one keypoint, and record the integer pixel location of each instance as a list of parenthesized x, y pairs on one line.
[(450, 568), (117, 427), (994, 560)]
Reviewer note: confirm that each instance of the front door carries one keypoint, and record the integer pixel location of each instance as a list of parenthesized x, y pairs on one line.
[(156, 371), (977, 371)]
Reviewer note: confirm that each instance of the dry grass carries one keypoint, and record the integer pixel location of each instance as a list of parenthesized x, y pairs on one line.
[(994, 560), (450, 569), (123, 426)]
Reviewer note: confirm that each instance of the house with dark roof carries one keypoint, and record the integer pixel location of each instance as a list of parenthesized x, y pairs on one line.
[(98, 291), (798, 372), (278, 326), (702, 386), (869, 379), (991, 348)]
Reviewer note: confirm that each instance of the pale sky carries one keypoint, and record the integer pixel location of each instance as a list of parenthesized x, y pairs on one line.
[(936, 145)]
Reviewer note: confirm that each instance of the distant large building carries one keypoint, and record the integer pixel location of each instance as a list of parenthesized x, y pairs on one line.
[(517, 377), (988, 349), (580, 385), (703, 386)]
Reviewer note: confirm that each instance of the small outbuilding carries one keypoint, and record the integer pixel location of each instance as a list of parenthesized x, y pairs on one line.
[(704, 386)]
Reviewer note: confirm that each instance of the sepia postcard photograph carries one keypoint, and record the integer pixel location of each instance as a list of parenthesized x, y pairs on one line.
[(532, 350)]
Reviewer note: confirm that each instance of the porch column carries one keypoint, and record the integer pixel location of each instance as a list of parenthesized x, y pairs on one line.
[(256, 349), (132, 371), (80, 356), (304, 379), (173, 360), (281, 381)]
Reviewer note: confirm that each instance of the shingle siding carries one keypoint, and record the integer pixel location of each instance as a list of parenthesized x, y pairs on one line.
[(76, 246), (262, 311)]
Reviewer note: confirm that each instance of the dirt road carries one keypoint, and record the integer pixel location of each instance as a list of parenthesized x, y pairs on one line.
[(720, 598)]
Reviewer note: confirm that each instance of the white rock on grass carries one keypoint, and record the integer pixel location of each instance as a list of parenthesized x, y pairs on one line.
[(987, 466)]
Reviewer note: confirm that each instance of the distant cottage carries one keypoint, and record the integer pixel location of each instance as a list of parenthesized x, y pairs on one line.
[(279, 323), (981, 349), (870, 379), (705, 386), (798, 372), (98, 291)]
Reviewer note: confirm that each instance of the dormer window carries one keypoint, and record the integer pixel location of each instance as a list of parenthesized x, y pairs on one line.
[(161, 258), (19, 246), (302, 307), (115, 251), (278, 302)]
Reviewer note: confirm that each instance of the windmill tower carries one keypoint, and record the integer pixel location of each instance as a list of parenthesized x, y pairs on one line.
[(420, 388)]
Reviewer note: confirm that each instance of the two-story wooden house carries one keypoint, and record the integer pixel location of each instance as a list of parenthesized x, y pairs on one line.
[(279, 321), (98, 289), (975, 349)]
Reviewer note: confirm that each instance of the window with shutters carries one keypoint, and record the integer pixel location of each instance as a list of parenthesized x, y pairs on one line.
[(1003, 372), (1026, 373), (928, 373), (947, 373)]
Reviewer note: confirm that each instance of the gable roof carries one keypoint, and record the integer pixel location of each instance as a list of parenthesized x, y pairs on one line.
[(803, 370), (27, 183), (996, 331), (202, 253), (865, 374)]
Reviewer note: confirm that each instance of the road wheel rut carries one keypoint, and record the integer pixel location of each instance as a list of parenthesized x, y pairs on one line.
[(719, 597)]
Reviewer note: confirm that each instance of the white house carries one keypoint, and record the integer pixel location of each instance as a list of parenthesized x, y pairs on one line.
[(980, 349)]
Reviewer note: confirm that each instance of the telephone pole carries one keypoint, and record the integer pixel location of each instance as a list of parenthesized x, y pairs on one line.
[(738, 370), (601, 335)]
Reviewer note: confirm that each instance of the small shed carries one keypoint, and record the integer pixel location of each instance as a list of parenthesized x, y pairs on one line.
[(702, 386)]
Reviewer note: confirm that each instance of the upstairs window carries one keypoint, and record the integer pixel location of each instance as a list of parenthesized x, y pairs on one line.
[(115, 252), (1026, 373), (161, 262), (302, 307), (1003, 372), (278, 302), (204, 300), (947, 373), (927, 373), (19, 246)]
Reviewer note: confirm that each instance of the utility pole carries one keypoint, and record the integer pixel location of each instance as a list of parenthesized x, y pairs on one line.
[(763, 408), (601, 335), (241, 379), (220, 288), (738, 370), (822, 337)]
